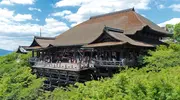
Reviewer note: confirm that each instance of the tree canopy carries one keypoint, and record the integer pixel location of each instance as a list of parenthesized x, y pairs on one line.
[(16, 80), (177, 32), (170, 28)]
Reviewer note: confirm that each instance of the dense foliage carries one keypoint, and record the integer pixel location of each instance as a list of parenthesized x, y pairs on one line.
[(170, 28), (131, 84), (177, 32), (164, 56), (16, 80)]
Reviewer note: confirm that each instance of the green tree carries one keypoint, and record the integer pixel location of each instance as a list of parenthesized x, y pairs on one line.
[(177, 32), (170, 28), (164, 56)]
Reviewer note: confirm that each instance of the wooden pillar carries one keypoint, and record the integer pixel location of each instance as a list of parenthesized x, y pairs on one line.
[(98, 54), (117, 55), (59, 78), (38, 54), (77, 77), (33, 53), (83, 53), (109, 72), (42, 54), (91, 54), (50, 81), (110, 55), (67, 77), (122, 53), (106, 55), (90, 57)]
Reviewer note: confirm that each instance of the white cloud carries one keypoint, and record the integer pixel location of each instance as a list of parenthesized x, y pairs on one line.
[(53, 27), (11, 31), (6, 2), (14, 29), (63, 3), (89, 8), (12, 2), (172, 21), (74, 24), (143, 15), (37, 20), (34, 9), (65, 12), (175, 7), (13, 43), (22, 17), (8, 15), (140, 4), (11, 28), (161, 6)]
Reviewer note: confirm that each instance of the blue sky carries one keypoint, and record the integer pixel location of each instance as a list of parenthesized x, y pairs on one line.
[(20, 20)]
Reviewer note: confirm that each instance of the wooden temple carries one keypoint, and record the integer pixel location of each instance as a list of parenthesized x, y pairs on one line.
[(95, 48), (38, 44)]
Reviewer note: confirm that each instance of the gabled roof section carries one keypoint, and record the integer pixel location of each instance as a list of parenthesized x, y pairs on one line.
[(127, 20), (146, 22), (122, 39), (105, 37), (22, 49), (41, 42)]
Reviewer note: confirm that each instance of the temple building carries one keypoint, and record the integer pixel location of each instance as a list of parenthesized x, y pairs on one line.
[(95, 48), (38, 44)]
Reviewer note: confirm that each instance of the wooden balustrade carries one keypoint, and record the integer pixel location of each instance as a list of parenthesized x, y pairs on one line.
[(105, 63), (78, 66), (61, 65)]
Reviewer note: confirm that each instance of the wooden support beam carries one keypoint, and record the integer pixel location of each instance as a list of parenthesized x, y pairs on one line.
[(33, 53)]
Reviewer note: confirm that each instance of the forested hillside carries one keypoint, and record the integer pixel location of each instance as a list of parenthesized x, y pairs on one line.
[(159, 79), (16, 80)]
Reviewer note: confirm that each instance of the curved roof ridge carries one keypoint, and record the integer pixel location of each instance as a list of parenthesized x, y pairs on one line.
[(42, 41), (146, 22), (143, 24), (121, 11), (46, 38)]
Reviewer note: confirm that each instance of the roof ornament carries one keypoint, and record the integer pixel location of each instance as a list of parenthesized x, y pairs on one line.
[(133, 9)]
